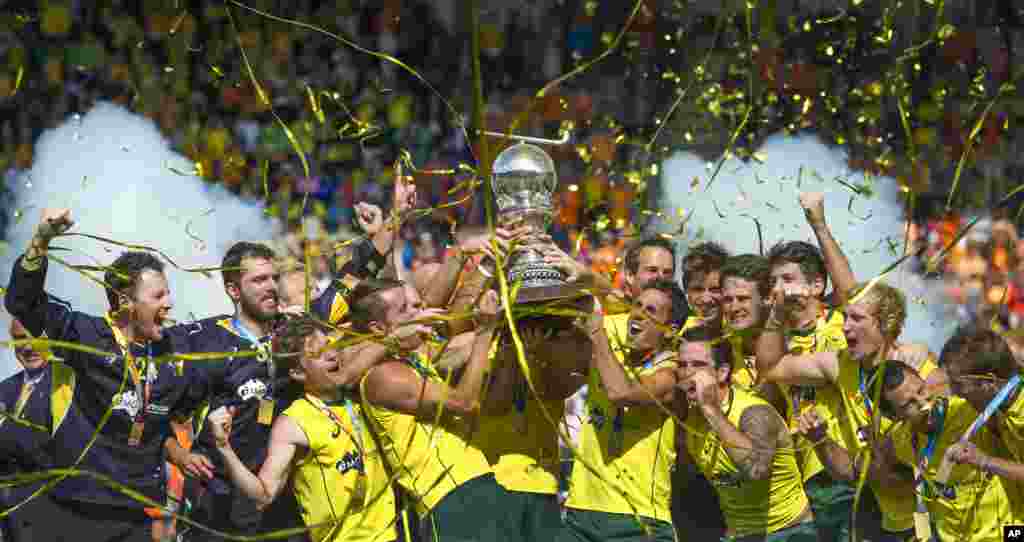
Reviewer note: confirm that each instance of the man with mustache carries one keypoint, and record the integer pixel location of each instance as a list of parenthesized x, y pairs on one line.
[(141, 395), (40, 394), (874, 321), (251, 383), (972, 502), (742, 446)]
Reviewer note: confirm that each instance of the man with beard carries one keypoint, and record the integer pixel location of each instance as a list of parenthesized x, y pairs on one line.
[(37, 399), (742, 446), (246, 379), (621, 485), (140, 395), (968, 502), (874, 321)]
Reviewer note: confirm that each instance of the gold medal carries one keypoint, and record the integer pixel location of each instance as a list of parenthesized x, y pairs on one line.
[(266, 413), (135, 437)]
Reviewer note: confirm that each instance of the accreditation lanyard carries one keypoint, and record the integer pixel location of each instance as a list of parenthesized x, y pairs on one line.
[(618, 424), (864, 393), (357, 425), (140, 378), (922, 524), (262, 355)]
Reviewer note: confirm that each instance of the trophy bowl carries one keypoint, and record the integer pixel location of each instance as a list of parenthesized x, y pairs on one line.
[(524, 181)]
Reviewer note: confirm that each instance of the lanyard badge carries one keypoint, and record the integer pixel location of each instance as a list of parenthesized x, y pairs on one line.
[(265, 414)]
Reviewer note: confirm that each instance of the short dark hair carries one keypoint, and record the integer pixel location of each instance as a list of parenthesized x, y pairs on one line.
[(892, 373), (749, 267), (289, 339), (633, 254), (703, 258), (804, 254), (721, 350), (978, 350), (231, 264), (122, 276), (679, 310), (366, 303)]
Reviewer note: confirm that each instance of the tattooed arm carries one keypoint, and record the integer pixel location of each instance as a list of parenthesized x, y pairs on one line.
[(752, 446)]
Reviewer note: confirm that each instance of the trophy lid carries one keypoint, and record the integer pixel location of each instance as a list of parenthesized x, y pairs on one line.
[(524, 167)]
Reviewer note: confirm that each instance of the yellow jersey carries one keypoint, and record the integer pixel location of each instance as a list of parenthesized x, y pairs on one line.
[(626, 454), (1011, 427), (750, 507), (429, 460), (973, 504), (340, 480), (744, 368), (847, 412), (827, 336), (521, 445)]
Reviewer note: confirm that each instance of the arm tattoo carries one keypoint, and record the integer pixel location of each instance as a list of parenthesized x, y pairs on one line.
[(764, 426)]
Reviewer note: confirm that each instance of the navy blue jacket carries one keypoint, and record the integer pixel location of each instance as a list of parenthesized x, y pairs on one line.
[(98, 382), (23, 449)]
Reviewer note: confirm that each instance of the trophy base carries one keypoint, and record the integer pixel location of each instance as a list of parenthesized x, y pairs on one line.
[(566, 303)]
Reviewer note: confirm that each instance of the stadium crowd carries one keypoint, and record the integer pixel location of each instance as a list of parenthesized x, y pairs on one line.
[(743, 403)]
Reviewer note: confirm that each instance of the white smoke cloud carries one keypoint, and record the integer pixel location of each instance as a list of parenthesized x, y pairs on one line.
[(122, 181), (870, 230)]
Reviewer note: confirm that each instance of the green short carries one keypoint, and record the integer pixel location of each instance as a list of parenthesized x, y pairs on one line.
[(832, 504), (591, 526), (531, 517), (473, 512), (803, 532)]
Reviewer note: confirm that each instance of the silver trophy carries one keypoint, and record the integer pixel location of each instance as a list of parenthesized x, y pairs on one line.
[(524, 181)]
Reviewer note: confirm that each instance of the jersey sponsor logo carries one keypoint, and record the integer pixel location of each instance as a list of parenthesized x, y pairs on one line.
[(127, 402), (252, 389), (350, 461)]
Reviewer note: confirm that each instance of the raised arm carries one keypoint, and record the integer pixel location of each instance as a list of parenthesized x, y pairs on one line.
[(395, 386), (25, 298), (622, 389), (836, 264), (285, 440)]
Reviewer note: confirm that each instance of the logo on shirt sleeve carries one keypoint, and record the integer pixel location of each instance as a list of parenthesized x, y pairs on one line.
[(350, 461), (127, 402)]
